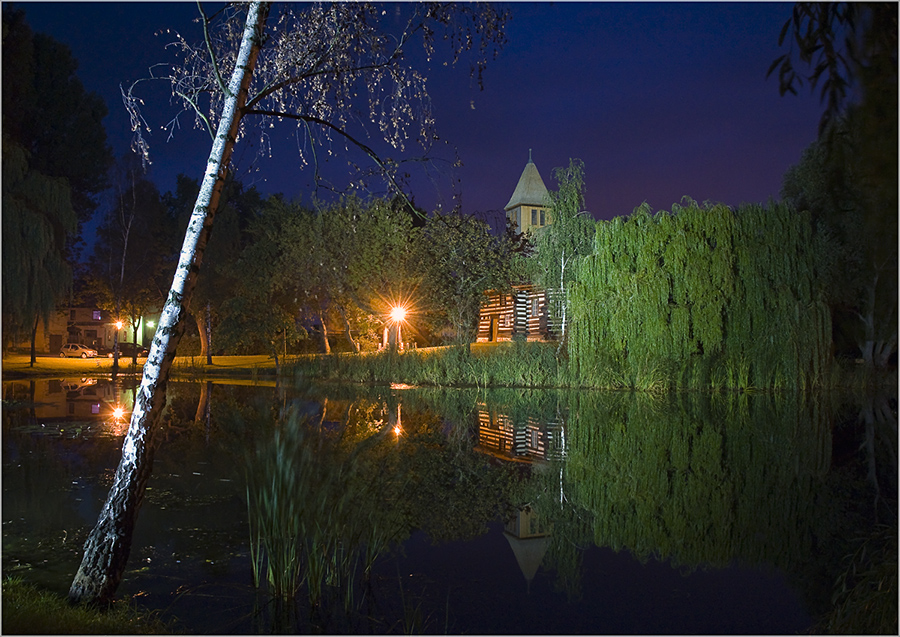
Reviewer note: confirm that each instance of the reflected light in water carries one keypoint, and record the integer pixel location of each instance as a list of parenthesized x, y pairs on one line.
[(398, 429), (117, 424)]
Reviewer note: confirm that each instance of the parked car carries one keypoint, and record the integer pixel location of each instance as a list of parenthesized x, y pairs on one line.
[(126, 350), (76, 350)]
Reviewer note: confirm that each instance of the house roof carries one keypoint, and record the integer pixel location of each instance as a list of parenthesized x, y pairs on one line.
[(530, 190)]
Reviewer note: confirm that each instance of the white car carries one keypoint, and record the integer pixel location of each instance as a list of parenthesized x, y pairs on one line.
[(74, 349)]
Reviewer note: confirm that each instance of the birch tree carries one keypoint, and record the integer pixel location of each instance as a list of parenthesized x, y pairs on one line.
[(568, 237), (109, 543), (313, 66)]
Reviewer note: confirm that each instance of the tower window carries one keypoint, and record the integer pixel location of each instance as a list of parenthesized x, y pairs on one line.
[(542, 218), (534, 216)]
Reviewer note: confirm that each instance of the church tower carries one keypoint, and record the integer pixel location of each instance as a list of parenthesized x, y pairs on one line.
[(527, 208)]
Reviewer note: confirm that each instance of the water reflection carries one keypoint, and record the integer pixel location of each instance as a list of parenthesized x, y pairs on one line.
[(329, 509), (100, 403)]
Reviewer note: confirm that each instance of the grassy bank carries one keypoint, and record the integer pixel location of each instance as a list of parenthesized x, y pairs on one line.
[(28, 610), (514, 364), (18, 366), (537, 365), (482, 365)]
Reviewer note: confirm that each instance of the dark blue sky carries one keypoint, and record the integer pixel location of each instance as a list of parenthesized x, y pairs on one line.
[(659, 100)]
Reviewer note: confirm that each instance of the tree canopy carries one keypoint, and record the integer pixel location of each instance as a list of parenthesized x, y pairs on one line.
[(55, 159)]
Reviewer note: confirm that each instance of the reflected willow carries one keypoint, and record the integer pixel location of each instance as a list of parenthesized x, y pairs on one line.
[(701, 479)]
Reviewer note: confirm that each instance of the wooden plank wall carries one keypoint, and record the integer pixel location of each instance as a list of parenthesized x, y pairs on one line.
[(524, 312)]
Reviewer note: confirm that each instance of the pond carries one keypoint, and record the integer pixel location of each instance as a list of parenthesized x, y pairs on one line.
[(359, 509)]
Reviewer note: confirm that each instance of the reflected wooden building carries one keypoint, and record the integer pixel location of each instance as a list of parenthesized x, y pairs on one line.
[(526, 440)]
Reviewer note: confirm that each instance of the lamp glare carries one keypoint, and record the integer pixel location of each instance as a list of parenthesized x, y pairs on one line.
[(398, 314)]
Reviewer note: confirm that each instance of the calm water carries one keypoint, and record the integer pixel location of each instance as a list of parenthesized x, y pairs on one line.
[(413, 510)]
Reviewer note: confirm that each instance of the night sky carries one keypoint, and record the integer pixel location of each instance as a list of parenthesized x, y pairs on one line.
[(659, 100)]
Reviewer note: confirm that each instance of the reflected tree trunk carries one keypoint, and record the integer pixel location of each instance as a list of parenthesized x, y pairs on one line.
[(203, 404), (108, 545)]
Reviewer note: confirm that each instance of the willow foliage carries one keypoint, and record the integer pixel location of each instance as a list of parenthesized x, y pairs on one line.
[(37, 219), (700, 478), (702, 296)]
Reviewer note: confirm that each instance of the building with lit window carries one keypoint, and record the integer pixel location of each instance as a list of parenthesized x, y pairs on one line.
[(521, 312)]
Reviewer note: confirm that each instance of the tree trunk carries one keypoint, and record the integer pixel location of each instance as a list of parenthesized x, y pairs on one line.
[(33, 341), (208, 334), (326, 348), (347, 330), (134, 355), (201, 332), (109, 543)]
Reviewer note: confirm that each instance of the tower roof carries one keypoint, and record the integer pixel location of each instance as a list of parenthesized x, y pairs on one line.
[(530, 190)]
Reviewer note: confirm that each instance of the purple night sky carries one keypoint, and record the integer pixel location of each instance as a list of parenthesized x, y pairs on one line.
[(659, 100)]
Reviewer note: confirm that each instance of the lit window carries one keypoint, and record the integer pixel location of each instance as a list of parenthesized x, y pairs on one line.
[(95, 408), (96, 315)]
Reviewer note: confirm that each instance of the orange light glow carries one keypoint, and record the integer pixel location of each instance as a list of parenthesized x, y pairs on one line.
[(397, 430), (398, 314), (119, 325), (118, 412)]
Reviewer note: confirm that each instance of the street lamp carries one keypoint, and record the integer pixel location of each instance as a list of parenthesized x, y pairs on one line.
[(398, 316)]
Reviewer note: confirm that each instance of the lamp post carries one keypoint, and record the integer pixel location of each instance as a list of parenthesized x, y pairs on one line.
[(393, 338)]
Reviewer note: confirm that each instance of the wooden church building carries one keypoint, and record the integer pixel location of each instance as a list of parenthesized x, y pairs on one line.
[(521, 312)]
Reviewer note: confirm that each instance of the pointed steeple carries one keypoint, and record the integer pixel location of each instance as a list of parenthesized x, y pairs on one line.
[(530, 190)]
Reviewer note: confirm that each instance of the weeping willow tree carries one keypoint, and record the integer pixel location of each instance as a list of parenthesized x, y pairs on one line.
[(38, 218), (702, 296)]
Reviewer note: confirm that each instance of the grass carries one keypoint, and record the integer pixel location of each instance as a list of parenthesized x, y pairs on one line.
[(28, 610), (512, 364), (17, 366)]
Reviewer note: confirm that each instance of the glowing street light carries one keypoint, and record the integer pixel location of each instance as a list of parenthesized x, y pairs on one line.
[(398, 314), (396, 317), (119, 325), (118, 412)]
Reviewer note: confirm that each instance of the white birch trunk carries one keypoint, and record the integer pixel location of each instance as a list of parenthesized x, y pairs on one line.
[(109, 543)]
